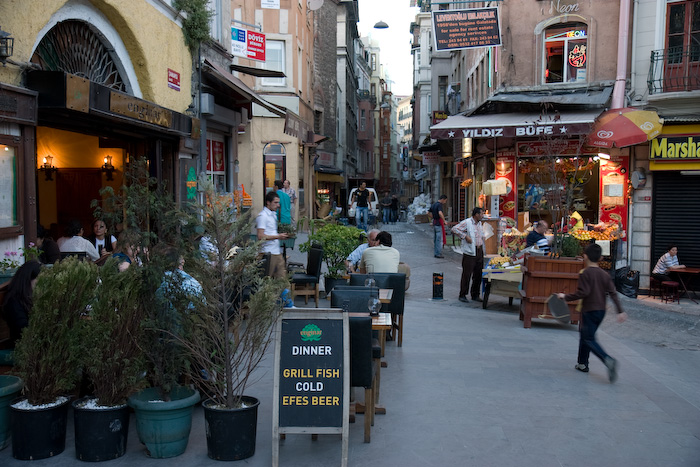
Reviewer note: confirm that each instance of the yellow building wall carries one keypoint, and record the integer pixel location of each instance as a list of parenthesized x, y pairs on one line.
[(154, 43)]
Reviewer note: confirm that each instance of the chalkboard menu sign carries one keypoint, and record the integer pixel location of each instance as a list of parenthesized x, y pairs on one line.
[(463, 29), (311, 375)]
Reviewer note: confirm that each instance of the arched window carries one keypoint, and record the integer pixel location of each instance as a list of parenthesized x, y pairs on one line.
[(566, 53), (274, 168)]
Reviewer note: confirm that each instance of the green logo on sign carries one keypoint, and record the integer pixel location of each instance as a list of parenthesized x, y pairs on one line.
[(311, 332), (191, 184)]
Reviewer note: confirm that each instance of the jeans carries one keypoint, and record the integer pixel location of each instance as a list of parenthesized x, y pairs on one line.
[(386, 215), (361, 217), (394, 215), (590, 320), (438, 239)]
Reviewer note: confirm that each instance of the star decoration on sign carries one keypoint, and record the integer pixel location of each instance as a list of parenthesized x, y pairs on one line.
[(562, 129), (451, 134)]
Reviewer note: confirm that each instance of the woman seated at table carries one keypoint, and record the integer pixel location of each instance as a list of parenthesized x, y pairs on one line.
[(18, 299), (105, 243), (667, 264)]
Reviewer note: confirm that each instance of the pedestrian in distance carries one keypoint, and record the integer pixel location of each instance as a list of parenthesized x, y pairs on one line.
[(363, 197), (284, 213), (440, 238), (472, 235), (394, 209), (386, 208), (594, 285), (266, 226), (292, 197)]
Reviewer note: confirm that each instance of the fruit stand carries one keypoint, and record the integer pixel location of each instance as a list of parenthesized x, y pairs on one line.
[(501, 279)]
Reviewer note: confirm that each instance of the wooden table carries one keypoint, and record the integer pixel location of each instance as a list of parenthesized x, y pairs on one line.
[(504, 282), (690, 274), (380, 323), (385, 295)]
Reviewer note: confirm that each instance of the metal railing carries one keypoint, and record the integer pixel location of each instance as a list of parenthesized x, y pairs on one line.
[(674, 69)]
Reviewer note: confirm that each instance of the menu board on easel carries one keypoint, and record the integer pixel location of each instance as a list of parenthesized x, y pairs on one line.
[(312, 376), (613, 191)]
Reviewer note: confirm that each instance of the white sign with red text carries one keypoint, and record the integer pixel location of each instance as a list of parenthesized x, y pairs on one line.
[(248, 44)]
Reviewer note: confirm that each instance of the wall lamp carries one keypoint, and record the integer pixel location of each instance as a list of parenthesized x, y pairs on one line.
[(48, 168), (7, 44), (108, 168)]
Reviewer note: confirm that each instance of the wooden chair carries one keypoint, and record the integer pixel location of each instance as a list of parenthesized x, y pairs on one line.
[(307, 283), (81, 255), (362, 365), (397, 283), (669, 292), (654, 287)]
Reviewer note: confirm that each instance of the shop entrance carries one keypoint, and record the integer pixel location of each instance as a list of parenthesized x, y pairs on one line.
[(75, 190)]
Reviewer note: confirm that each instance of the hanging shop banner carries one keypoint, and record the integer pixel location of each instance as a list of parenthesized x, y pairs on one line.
[(464, 29), (248, 44), (431, 157), (558, 147), (215, 157), (506, 166), (439, 116), (613, 191)]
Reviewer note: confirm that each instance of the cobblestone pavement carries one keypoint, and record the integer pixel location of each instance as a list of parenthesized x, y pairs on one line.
[(472, 387)]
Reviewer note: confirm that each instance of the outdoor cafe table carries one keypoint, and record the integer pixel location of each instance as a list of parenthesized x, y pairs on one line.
[(380, 323), (686, 277)]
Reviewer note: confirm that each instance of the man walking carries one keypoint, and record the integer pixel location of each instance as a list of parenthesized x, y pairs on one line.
[(439, 224), (363, 197), (472, 235), (292, 196), (266, 225), (386, 208)]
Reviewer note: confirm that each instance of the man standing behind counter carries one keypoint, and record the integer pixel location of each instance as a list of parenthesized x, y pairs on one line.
[(536, 237)]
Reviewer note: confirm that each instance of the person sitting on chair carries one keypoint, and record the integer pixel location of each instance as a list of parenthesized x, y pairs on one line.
[(74, 242), (667, 264), (380, 258), (354, 258)]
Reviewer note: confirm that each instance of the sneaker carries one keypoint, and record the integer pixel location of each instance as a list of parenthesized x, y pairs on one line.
[(439, 256), (463, 299), (611, 363), (582, 367)]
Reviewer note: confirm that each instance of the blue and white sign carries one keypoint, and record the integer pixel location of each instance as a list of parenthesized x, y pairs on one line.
[(238, 42)]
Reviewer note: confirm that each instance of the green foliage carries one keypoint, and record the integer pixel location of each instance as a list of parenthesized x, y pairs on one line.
[(226, 338), (110, 337), (338, 241), (570, 246), (47, 355), (195, 26)]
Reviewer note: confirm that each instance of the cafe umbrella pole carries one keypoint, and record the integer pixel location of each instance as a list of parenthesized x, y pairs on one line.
[(437, 286)]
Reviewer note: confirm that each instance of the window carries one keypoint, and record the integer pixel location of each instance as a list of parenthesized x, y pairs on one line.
[(274, 60), (9, 206), (374, 62), (363, 120), (274, 168), (566, 53), (442, 93), (683, 31)]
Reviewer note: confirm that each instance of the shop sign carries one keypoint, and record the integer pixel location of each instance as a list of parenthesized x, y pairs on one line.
[(215, 156), (295, 126), (191, 184), (675, 149), (560, 6), (464, 29), (173, 79), (506, 166), (559, 147), (139, 109), (439, 116), (270, 4), (559, 129), (431, 157), (248, 44)]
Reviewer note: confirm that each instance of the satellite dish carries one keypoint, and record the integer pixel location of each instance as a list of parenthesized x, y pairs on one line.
[(314, 4), (638, 179)]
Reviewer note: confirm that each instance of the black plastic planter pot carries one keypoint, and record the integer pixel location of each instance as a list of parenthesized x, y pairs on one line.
[(100, 434), (231, 433), (39, 433)]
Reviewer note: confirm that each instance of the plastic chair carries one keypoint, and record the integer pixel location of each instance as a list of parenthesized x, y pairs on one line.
[(307, 283)]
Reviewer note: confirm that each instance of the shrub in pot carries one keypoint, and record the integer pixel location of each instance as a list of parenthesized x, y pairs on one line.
[(48, 360), (112, 361), (338, 241), (227, 337)]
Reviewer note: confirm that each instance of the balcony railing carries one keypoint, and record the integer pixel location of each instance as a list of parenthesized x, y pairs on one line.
[(674, 69)]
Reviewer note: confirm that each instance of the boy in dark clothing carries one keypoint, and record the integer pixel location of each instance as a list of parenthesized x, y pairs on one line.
[(594, 284)]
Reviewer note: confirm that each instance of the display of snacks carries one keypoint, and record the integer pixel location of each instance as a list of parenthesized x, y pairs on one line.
[(604, 264), (499, 261), (600, 231)]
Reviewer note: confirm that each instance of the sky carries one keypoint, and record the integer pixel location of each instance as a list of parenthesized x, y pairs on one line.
[(394, 42)]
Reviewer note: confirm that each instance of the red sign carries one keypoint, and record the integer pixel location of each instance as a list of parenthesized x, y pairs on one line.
[(506, 166), (613, 191), (255, 42), (215, 156), (173, 79), (431, 157)]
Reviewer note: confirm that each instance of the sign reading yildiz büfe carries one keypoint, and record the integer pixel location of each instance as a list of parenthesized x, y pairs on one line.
[(431, 157), (463, 29)]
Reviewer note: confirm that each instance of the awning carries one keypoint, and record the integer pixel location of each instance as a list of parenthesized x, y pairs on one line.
[(333, 178), (563, 123), (239, 87), (259, 72)]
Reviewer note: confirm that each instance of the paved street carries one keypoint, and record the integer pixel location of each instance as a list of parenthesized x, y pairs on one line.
[(472, 387)]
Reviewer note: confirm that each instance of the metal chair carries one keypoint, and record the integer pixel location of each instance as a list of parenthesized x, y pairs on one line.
[(307, 283)]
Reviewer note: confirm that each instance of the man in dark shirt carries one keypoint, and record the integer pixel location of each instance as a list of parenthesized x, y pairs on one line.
[(394, 208), (438, 224), (536, 237), (363, 197), (594, 285)]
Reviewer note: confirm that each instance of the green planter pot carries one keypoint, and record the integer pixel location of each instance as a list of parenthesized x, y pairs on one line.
[(10, 386), (164, 427)]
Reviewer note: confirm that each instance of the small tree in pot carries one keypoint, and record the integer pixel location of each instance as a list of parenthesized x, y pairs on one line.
[(338, 241), (227, 337)]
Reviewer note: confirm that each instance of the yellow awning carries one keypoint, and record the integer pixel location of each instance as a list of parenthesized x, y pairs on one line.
[(334, 178)]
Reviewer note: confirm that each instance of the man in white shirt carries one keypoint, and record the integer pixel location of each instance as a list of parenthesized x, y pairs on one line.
[(266, 225), (354, 258), (381, 258), (472, 235), (75, 243)]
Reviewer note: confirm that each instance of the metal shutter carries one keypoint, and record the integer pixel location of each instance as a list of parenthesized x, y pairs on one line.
[(676, 217)]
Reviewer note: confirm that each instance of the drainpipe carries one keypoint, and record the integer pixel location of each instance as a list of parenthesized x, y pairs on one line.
[(618, 98)]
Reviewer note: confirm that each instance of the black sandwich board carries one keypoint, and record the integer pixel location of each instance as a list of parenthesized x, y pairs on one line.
[(312, 375)]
